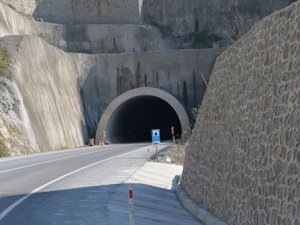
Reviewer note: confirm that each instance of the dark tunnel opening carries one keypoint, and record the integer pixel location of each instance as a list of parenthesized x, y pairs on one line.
[(133, 120)]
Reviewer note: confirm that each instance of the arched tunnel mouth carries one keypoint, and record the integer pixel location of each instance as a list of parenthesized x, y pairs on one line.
[(134, 119)]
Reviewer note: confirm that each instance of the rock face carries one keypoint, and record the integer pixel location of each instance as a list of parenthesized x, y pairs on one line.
[(193, 23), (243, 161), (65, 101), (49, 83), (15, 128), (197, 21), (81, 11), (88, 38), (64, 95), (24, 6)]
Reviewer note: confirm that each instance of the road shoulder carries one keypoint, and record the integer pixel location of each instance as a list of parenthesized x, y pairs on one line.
[(155, 200)]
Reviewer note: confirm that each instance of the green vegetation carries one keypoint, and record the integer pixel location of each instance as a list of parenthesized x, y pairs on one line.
[(195, 112), (4, 60), (204, 40), (201, 38), (14, 131), (3, 149)]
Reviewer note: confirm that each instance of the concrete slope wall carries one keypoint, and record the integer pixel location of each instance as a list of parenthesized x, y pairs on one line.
[(177, 72), (88, 38), (112, 39), (243, 161)]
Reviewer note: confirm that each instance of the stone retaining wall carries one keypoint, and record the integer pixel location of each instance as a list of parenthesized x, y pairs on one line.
[(243, 161)]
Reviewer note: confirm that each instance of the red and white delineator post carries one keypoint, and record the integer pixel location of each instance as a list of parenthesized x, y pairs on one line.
[(173, 134), (103, 139), (131, 206)]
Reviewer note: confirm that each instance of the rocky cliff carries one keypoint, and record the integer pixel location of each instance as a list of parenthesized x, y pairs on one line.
[(81, 11), (86, 38), (16, 134), (65, 94), (201, 23), (243, 161), (49, 94), (192, 23), (53, 99)]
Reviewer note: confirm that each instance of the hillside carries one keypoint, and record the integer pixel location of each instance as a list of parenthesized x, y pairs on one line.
[(190, 23), (68, 60)]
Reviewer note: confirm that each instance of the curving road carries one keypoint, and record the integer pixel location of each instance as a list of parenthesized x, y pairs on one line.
[(66, 187)]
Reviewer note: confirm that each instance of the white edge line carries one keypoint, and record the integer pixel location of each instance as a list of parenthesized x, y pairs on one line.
[(36, 154), (55, 160), (45, 162), (18, 202), (25, 156)]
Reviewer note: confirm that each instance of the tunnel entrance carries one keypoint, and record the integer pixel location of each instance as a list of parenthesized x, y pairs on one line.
[(134, 119), (131, 116)]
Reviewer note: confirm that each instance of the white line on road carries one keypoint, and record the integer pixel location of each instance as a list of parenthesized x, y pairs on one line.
[(41, 163), (15, 204), (26, 156), (55, 160)]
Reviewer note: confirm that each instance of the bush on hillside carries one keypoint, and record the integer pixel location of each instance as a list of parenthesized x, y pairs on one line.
[(4, 60), (3, 149), (204, 40)]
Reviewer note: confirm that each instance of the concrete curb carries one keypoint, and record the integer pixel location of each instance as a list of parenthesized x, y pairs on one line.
[(202, 214)]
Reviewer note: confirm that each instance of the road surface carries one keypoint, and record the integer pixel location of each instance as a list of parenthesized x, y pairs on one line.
[(67, 187)]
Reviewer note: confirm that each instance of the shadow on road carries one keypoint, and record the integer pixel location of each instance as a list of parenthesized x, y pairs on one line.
[(103, 205)]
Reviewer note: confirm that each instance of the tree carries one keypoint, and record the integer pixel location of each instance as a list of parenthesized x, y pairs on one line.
[(237, 23)]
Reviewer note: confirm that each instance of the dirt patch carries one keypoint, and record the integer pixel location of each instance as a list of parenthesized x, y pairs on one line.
[(174, 154), (12, 141)]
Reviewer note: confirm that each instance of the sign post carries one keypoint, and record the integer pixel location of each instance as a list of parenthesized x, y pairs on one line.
[(155, 136), (156, 139), (148, 154)]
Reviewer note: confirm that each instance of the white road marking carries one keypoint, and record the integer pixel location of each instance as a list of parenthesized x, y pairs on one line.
[(54, 160), (18, 202), (45, 162), (6, 159)]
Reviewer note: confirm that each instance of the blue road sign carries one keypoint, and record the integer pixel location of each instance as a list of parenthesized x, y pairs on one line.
[(155, 136)]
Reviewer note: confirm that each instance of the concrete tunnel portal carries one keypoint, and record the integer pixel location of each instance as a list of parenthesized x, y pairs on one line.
[(132, 115)]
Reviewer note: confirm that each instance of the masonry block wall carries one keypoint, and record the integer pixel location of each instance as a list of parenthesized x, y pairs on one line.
[(243, 160)]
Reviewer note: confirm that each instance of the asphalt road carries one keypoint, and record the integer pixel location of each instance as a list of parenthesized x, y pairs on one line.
[(66, 187)]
